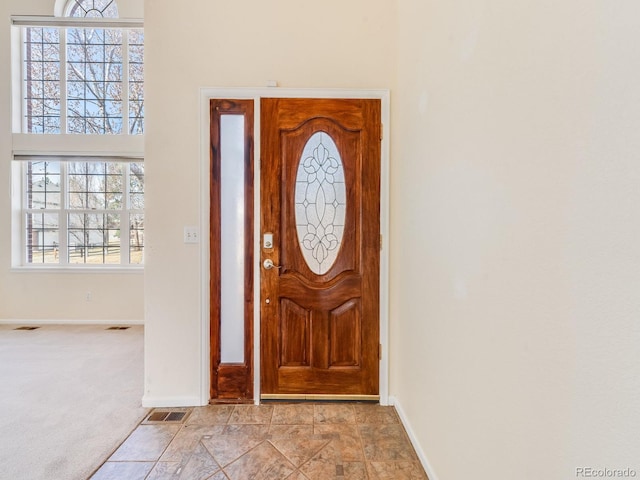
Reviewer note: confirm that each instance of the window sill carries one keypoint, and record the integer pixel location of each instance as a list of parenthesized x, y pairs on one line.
[(116, 269)]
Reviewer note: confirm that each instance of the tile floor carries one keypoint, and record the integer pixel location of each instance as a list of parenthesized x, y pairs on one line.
[(271, 441)]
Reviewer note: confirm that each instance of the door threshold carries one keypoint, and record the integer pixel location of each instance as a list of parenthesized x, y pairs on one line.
[(319, 396), (231, 401)]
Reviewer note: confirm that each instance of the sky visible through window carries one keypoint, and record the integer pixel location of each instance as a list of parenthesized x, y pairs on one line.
[(103, 74), (83, 79)]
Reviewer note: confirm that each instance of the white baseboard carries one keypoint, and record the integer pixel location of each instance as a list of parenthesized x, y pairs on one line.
[(63, 321), (414, 440), (149, 401)]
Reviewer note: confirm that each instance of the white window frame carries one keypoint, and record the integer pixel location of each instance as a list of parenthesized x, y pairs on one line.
[(20, 23), (64, 210), (19, 194), (63, 145)]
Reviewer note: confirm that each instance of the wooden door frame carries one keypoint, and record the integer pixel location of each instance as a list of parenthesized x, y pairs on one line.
[(207, 94), (230, 382)]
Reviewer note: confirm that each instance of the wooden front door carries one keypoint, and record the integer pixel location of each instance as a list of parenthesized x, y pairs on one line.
[(320, 229)]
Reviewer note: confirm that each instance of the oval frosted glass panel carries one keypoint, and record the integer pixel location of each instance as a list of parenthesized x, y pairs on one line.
[(320, 202)]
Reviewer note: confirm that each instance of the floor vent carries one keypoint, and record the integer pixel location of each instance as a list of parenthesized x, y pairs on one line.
[(26, 328), (174, 415), (118, 328)]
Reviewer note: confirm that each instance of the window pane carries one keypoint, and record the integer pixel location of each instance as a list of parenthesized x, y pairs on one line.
[(42, 80), (113, 108), (232, 245), (136, 79), (51, 125), (136, 186), (114, 183), (94, 87), (100, 187), (96, 201), (43, 185), (113, 201), (94, 238), (99, 198), (113, 72), (136, 238), (42, 238), (95, 76)]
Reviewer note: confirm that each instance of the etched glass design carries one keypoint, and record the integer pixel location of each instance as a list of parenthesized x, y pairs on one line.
[(320, 202)]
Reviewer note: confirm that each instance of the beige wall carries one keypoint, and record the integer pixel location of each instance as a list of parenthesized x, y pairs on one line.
[(47, 296), (515, 226), (516, 235), (515, 260), (226, 44)]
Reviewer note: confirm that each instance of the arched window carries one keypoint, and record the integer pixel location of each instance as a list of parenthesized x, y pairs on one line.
[(93, 8)]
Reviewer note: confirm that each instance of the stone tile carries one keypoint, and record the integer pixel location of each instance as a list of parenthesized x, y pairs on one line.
[(375, 414), (386, 443), (256, 430), (227, 448), (348, 440), (164, 471), (251, 414), (297, 476), (295, 414), (146, 443), (218, 476), (120, 470), (299, 449), (286, 430), (262, 463), (325, 464), (200, 466), (186, 440), (355, 471), (334, 413), (210, 415), (281, 441), (396, 471)]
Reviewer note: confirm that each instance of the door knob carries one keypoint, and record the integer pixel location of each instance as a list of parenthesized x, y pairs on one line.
[(268, 264)]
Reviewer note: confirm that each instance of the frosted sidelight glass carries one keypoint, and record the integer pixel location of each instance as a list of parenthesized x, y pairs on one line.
[(320, 202), (232, 245)]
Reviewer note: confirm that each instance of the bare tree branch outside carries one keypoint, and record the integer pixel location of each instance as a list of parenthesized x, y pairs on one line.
[(98, 90), (100, 202)]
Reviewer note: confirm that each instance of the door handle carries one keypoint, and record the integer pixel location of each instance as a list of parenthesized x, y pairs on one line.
[(268, 264)]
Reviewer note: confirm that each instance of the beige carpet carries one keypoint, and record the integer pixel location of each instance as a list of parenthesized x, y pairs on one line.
[(68, 396)]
